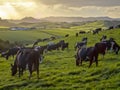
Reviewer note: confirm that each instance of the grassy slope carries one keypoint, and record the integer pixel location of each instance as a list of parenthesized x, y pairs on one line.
[(73, 30), (58, 71), (29, 36), (22, 36)]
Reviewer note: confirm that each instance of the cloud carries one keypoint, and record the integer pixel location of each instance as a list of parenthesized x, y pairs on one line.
[(81, 3), (45, 8)]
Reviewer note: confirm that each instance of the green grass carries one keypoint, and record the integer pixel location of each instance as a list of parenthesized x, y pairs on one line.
[(22, 36), (58, 70)]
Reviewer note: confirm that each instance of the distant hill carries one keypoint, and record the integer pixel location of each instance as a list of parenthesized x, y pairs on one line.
[(6, 23), (57, 22), (28, 20), (78, 19)]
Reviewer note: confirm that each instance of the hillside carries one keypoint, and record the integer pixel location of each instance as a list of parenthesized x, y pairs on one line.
[(76, 19), (58, 70), (57, 22)]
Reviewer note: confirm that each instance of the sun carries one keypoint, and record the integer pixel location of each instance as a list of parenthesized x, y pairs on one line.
[(3, 15)]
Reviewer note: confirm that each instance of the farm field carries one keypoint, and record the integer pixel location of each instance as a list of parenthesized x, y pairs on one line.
[(32, 35), (58, 70)]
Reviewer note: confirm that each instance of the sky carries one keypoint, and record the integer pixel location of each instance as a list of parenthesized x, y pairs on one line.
[(17, 9)]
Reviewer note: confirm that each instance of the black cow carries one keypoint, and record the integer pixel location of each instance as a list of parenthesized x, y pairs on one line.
[(118, 26), (87, 53), (81, 44), (111, 27), (96, 31), (76, 34), (90, 53), (53, 47), (66, 35), (52, 38), (82, 32), (24, 58), (11, 52), (101, 48), (103, 39), (64, 45), (112, 45)]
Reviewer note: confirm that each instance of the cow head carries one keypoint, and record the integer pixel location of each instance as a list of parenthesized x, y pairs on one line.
[(13, 69)]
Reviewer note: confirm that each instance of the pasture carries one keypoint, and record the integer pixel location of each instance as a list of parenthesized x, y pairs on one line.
[(58, 70)]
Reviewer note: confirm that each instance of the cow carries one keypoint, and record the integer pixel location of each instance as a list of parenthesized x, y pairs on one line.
[(11, 52), (112, 45), (111, 27), (52, 47), (53, 38), (66, 35), (118, 26), (82, 32), (76, 34), (103, 39), (96, 31), (90, 53), (83, 43), (87, 53), (101, 48), (24, 58), (64, 45)]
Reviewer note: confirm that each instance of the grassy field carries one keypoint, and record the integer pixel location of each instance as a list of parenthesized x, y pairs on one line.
[(22, 36), (59, 72)]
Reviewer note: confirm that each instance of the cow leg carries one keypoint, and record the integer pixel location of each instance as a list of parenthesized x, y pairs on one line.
[(22, 71), (7, 57), (77, 62), (117, 50), (80, 61), (13, 56), (91, 61), (38, 71), (30, 71), (96, 60), (19, 71)]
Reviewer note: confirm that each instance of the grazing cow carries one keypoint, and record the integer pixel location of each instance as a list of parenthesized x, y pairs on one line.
[(52, 47), (66, 35), (87, 53), (112, 45), (26, 57), (52, 38), (111, 27), (90, 53), (101, 48), (76, 34), (81, 44), (42, 49), (96, 31), (64, 45), (103, 39), (82, 32), (118, 26), (36, 42), (61, 42), (10, 52)]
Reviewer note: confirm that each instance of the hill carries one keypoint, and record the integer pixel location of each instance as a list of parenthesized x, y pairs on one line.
[(79, 19), (58, 70), (57, 22)]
